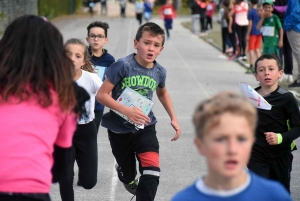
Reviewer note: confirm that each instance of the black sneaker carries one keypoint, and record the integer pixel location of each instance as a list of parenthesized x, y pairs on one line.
[(294, 84), (132, 186)]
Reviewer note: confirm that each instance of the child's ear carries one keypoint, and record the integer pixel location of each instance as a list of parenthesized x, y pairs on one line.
[(280, 74), (199, 145)]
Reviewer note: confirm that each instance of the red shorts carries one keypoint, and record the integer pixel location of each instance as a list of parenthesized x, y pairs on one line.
[(254, 42)]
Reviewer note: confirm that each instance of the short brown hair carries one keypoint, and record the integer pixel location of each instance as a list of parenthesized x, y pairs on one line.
[(208, 112), (152, 28)]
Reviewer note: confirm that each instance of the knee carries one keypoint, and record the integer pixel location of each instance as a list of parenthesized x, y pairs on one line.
[(89, 184)]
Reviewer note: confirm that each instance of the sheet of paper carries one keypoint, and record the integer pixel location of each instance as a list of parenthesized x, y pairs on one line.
[(255, 98), (131, 98)]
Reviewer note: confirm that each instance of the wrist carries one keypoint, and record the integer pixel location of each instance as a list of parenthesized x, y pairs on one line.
[(279, 138)]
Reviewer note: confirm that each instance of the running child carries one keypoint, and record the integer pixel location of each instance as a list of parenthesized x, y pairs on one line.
[(148, 6), (38, 108), (100, 58), (271, 155), (84, 148), (253, 36), (139, 10), (271, 29), (143, 74), (168, 13), (224, 126)]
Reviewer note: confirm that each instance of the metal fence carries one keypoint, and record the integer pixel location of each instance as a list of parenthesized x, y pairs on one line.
[(11, 9)]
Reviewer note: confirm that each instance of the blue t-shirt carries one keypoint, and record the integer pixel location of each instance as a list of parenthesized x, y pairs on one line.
[(257, 189), (101, 64), (127, 72), (253, 16)]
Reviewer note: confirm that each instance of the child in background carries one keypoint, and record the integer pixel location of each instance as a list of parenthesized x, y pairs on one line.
[(271, 155), (167, 13), (231, 35), (224, 30), (195, 12), (100, 58), (240, 12), (210, 11), (84, 149), (224, 126), (139, 10), (37, 107), (148, 6), (143, 74), (271, 29), (203, 5), (253, 36), (122, 4)]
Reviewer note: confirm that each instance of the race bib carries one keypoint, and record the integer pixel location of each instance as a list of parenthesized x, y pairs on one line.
[(168, 11), (267, 31)]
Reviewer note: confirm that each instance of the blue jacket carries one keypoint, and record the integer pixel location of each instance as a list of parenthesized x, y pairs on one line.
[(102, 62), (292, 16)]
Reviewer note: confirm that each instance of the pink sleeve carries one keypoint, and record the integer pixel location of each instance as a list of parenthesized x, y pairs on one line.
[(66, 131)]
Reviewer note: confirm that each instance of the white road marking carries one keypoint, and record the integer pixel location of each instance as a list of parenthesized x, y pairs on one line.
[(190, 70)]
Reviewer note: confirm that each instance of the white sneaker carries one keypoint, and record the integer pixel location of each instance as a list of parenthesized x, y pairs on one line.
[(290, 78), (222, 56)]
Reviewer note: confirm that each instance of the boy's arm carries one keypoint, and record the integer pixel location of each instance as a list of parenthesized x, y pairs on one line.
[(294, 122), (165, 99), (280, 43), (249, 30), (260, 23), (134, 114)]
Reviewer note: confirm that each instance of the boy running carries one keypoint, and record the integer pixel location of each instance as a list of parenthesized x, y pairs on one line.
[(271, 29), (101, 59), (271, 154), (224, 126), (143, 74)]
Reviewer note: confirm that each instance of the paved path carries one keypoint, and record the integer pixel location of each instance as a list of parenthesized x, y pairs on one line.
[(194, 73)]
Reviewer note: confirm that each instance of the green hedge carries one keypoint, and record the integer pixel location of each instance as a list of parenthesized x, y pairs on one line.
[(55, 8)]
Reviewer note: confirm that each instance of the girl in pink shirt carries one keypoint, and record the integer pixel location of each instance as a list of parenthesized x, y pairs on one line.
[(38, 107), (240, 13)]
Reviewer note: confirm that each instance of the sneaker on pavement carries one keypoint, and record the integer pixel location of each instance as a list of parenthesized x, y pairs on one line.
[(249, 71), (132, 186), (222, 56), (229, 50), (232, 57), (290, 78), (244, 58), (294, 84)]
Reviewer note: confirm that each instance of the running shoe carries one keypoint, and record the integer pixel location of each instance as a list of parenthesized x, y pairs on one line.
[(290, 78), (249, 71), (132, 186), (294, 84), (232, 57)]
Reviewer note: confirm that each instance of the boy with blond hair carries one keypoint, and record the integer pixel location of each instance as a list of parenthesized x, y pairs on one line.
[(143, 74), (224, 126)]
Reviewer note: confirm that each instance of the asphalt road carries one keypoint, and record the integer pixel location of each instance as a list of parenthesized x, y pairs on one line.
[(194, 72)]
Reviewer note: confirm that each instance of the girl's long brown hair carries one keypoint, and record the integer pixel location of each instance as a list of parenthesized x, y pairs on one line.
[(33, 61), (87, 66)]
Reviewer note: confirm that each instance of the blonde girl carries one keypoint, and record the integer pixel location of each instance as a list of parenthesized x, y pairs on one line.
[(84, 149)]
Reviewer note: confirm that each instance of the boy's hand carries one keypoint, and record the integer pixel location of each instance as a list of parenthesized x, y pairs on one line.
[(136, 115), (271, 138), (280, 44), (175, 125)]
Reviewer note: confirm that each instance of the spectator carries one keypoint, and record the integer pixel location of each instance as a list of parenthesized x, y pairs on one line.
[(292, 28)]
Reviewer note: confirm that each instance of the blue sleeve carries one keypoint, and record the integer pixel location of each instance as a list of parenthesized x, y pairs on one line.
[(250, 15), (116, 72)]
